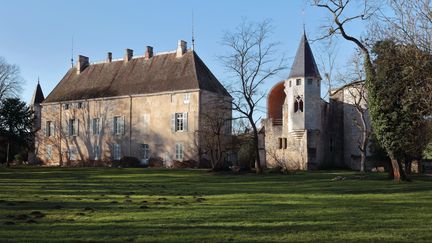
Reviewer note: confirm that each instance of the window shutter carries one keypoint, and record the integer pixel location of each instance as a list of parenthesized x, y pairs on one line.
[(122, 125), (68, 128), (112, 120), (99, 127), (77, 127), (185, 121), (53, 128), (91, 128), (45, 129), (173, 122)]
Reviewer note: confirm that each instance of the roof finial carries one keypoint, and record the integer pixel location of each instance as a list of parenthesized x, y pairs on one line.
[(38, 80), (304, 25), (72, 52), (193, 32)]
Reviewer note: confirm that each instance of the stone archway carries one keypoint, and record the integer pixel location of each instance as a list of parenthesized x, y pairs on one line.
[(275, 102)]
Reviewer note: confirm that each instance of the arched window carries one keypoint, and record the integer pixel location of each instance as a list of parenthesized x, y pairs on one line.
[(301, 105), (298, 104)]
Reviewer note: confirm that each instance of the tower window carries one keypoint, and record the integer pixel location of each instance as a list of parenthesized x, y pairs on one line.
[(298, 81), (298, 104), (310, 81), (290, 83)]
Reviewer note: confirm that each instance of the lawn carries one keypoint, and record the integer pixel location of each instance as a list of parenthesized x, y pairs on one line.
[(105, 204)]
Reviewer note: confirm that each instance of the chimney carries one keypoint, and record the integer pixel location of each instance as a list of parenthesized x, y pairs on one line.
[(82, 63), (181, 48), (128, 55), (109, 57), (149, 52)]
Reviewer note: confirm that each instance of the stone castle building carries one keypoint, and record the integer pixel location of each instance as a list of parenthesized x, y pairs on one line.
[(303, 131), (148, 107)]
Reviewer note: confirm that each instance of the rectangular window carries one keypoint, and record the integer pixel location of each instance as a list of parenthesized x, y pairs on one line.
[(280, 143), (96, 152), (310, 81), (49, 128), (72, 153), (66, 106), (73, 127), (118, 125), (80, 105), (96, 126), (179, 122), (290, 83), (285, 143), (298, 81), (48, 152), (179, 151), (145, 152), (117, 152), (186, 98)]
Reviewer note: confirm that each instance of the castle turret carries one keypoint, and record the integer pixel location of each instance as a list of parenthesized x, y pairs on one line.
[(303, 91), (35, 102)]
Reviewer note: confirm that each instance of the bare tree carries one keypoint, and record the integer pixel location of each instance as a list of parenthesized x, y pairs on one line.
[(327, 63), (10, 79), (214, 133), (251, 61), (357, 96), (409, 22), (340, 18)]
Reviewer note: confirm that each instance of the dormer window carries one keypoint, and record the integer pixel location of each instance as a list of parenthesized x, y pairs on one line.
[(298, 81)]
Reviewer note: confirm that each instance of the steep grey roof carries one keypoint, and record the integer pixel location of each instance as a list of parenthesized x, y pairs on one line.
[(304, 64), (38, 95), (161, 73)]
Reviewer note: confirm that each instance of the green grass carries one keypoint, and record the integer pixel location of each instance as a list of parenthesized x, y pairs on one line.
[(104, 204)]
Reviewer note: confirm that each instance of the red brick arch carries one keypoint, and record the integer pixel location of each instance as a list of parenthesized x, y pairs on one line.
[(275, 101)]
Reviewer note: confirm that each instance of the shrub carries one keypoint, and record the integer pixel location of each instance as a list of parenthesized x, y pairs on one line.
[(129, 161), (155, 162), (18, 159), (184, 164)]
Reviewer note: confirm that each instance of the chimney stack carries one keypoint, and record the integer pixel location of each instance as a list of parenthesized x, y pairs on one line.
[(82, 63), (149, 52), (109, 57), (128, 55), (181, 48)]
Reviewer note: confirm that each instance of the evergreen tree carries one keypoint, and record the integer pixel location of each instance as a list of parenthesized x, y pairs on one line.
[(398, 112), (15, 123)]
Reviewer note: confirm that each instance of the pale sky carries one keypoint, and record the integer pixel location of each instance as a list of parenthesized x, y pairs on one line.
[(37, 35)]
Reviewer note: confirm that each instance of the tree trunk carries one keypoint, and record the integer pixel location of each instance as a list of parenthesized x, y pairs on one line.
[(395, 169), (7, 153), (403, 174), (362, 161), (257, 155), (408, 165)]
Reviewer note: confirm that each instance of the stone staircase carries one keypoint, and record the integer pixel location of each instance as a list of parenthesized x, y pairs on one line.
[(297, 134)]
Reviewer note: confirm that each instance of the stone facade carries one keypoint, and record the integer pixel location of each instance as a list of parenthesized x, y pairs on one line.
[(302, 131), (152, 125)]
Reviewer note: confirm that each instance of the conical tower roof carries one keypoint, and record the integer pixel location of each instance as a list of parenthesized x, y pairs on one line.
[(38, 95), (304, 64)]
